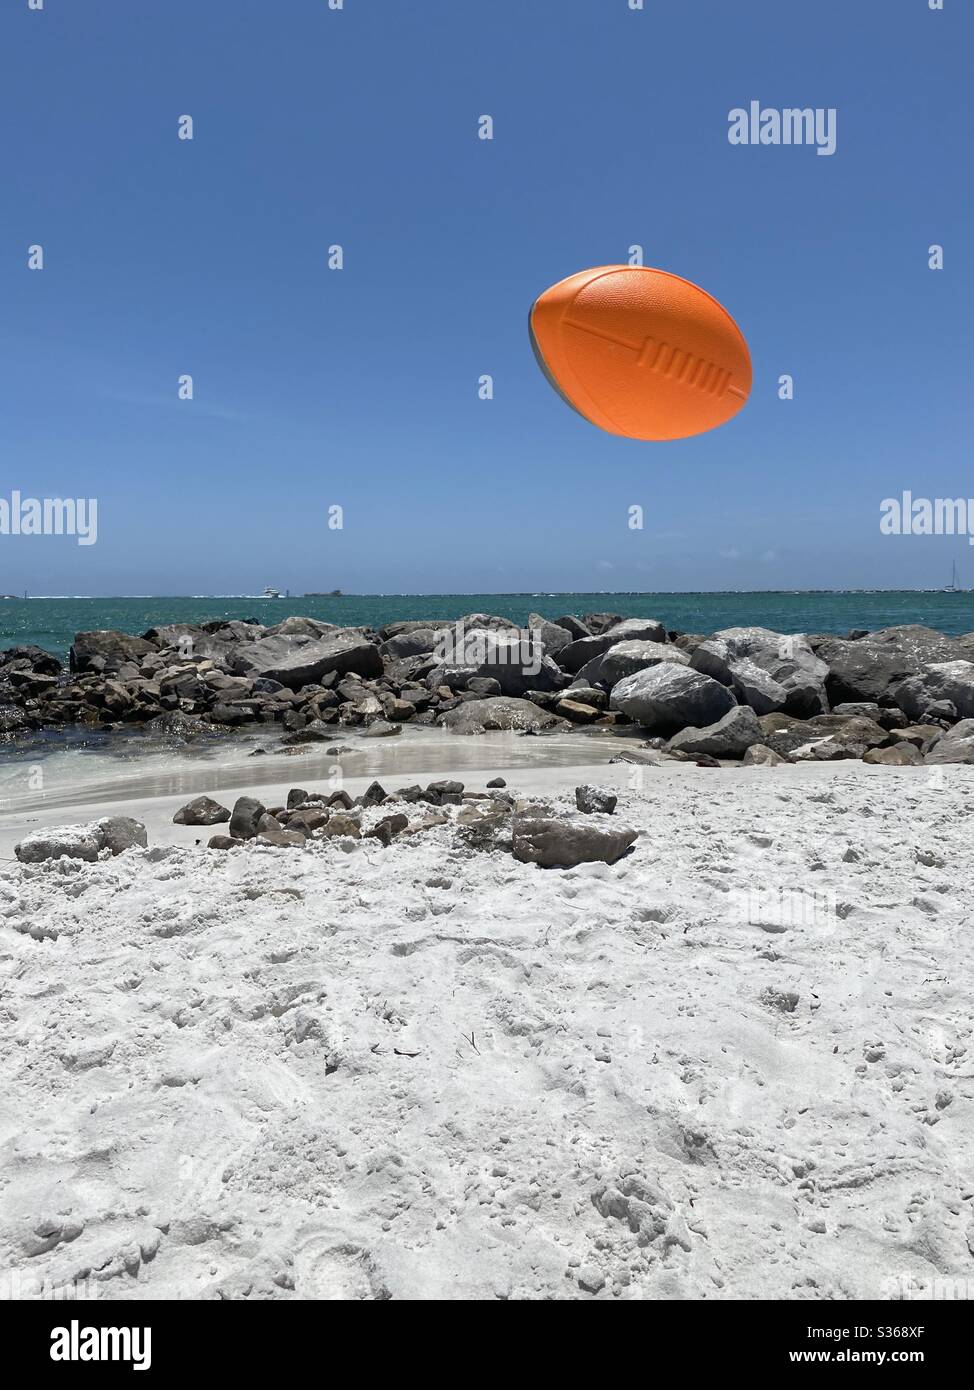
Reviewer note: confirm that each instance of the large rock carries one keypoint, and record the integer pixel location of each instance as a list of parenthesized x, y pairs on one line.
[(580, 652), (730, 737), (417, 642), (869, 668), (594, 800), (119, 833), (598, 623), (500, 712), (114, 833), (626, 658), (735, 655), (298, 626), (574, 626), (246, 817), (759, 755), (106, 650), (946, 680), (295, 661), (900, 755), (202, 810), (514, 659), (754, 687), (668, 697), (955, 746), (60, 841), (552, 635), (27, 654), (564, 843), (637, 630)]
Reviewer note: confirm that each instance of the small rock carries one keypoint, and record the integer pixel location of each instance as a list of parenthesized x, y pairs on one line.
[(784, 1001), (202, 810), (380, 728), (591, 1279), (247, 811), (563, 844), (595, 799)]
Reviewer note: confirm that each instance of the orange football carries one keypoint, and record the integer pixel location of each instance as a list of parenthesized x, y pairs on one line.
[(641, 352)]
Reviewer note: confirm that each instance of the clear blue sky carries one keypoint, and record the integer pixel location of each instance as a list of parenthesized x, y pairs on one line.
[(315, 387)]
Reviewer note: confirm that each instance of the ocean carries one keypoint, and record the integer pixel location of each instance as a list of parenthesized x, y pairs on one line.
[(52, 622)]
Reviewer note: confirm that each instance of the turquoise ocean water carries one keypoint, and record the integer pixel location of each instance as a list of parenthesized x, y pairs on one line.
[(52, 622)]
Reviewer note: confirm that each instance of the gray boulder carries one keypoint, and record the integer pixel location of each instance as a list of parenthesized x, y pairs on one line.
[(637, 630), (946, 680), (501, 712), (114, 833), (515, 660), (574, 626), (900, 755), (417, 642), (626, 658), (594, 800), (754, 687), (867, 669), (583, 650), (564, 843), (668, 697), (553, 636), (730, 737), (955, 746), (202, 810), (60, 841), (735, 655), (298, 626), (119, 833), (295, 661), (247, 811), (381, 728), (760, 755), (106, 650)]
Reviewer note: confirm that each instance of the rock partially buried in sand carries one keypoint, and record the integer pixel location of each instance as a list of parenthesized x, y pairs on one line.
[(955, 746), (202, 810), (281, 839), (387, 828), (114, 833), (119, 833), (60, 841), (381, 728), (563, 844), (593, 799), (759, 755), (730, 737), (900, 755)]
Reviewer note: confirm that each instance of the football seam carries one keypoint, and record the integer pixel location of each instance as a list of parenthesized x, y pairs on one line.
[(706, 376)]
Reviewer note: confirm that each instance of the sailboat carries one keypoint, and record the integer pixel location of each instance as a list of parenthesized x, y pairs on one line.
[(952, 588)]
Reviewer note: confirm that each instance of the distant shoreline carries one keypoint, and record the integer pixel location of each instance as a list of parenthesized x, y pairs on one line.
[(471, 593)]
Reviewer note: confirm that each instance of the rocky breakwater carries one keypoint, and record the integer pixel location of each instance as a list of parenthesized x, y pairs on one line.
[(901, 696)]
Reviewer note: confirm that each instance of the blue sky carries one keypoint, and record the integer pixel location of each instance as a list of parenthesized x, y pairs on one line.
[(359, 388)]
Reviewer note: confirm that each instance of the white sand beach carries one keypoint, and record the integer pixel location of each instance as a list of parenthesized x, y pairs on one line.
[(734, 1064)]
